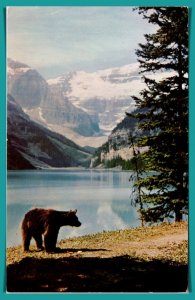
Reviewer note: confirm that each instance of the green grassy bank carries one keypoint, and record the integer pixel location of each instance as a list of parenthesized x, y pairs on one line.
[(144, 259)]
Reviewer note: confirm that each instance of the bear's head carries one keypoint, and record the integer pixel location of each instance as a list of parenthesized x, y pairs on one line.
[(70, 218)]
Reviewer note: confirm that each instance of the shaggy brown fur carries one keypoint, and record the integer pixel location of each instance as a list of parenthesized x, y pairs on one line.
[(46, 222)]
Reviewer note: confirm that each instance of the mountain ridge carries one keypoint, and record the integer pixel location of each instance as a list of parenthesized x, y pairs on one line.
[(31, 145), (83, 106), (47, 105)]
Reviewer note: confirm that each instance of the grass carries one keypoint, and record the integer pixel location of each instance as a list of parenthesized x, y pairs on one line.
[(144, 259)]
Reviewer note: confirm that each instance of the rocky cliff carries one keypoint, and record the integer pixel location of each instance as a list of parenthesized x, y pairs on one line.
[(31, 145), (47, 104), (118, 149)]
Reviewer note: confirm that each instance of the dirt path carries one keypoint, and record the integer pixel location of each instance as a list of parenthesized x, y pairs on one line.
[(155, 247)]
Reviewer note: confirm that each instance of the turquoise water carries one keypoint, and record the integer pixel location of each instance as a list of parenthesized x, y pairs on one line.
[(102, 199)]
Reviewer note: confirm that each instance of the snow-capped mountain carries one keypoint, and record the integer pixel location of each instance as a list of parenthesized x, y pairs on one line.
[(83, 106), (105, 94)]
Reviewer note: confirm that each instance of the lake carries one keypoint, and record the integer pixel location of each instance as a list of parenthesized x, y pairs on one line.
[(102, 199)]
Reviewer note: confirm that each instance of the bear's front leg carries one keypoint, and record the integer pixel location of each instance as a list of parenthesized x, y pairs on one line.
[(39, 241), (50, 239)]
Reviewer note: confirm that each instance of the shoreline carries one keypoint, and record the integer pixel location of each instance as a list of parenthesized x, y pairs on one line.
[(167, 232)]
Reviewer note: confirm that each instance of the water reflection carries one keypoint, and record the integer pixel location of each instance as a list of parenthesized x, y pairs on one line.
[(101, 198)]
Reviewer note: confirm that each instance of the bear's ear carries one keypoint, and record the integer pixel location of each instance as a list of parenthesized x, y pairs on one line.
[(73, 211)]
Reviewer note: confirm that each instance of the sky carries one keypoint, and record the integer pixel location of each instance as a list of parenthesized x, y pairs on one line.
[(57, 40)]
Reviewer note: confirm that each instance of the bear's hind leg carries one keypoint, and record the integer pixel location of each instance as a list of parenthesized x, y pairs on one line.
[(26, 241)]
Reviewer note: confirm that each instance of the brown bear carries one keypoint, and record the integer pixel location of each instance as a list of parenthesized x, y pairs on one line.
[(46, 222)]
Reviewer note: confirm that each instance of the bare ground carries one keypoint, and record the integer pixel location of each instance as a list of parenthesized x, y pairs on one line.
[(147, 259)]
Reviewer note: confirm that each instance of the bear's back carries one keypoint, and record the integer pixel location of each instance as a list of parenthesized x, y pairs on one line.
[(38, 218)]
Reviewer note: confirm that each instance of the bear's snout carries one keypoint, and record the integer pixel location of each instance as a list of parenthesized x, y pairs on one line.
[(77, 224)]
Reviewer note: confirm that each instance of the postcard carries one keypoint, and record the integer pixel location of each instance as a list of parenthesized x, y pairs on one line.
[(97, 149)]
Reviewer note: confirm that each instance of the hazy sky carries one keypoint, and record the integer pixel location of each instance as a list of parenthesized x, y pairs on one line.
[(56, 40)]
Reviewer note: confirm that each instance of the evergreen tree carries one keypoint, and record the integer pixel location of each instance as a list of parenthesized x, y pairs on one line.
[(164, 113), (138, 170)]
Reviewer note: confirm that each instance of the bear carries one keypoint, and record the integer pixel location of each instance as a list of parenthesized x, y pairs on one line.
[(46, 222)]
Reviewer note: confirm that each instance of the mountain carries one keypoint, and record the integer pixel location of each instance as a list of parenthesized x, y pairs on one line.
[(82, 106), (46, 104), (25, 84), (117, 150), (105, 94), (31, 145)]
